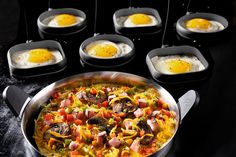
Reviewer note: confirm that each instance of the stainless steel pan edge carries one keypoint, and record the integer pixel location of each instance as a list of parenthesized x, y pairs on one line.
[(32, 106)]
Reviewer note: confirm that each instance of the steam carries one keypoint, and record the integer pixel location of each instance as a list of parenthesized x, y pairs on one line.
[(12, 142)]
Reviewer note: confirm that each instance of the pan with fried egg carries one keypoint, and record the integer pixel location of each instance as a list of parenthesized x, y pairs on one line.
[(178, 64), (62, 24), (106, 51), (36, 59), (201, 26), (137, 21)]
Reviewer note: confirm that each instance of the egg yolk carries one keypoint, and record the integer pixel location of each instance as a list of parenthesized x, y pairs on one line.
[(140, 19), (104, 50), (65, 19), (198, 23), (178, 66), (40, 56)]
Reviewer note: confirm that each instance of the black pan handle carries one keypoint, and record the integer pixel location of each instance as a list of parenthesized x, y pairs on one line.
[(187, 101), (16, 99)]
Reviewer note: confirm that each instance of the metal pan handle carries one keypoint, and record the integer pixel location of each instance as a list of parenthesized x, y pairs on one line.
[(16, 99), (49, 5), (187, 101)]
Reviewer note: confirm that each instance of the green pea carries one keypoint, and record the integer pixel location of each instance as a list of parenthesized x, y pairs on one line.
[(67, 141), (68, 110)]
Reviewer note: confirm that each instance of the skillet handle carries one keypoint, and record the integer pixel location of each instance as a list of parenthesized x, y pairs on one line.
[(16, 99), (187, 101)]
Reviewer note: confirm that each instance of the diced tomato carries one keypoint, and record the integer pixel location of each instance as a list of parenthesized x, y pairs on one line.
[(100, 140), (117, 119), (99, 153), (142, 104), (160, 103), (125, 87), (106, 114), (69, 118), (120, 134), (74, 91), (142, 132), (93, 91), (90, 126), (55, 95), (89, 113), (137, 97), (121, 114), (143, 152), (71, 100), (78, 139), (103, 113), (105, 103), (74, 153), (104, 89), (80, 115), (48, 117), (64, 117), (148, 112), (113, 135), (78, 122), (154, 144), (126, 154), (166, 112), (62, 111), (99, 105), (149, 150)]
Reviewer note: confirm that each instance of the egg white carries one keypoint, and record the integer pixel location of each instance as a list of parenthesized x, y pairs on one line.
[(125, 49), (20, 59), (128, 22), (160, 63), (215, 26), (50, 21)]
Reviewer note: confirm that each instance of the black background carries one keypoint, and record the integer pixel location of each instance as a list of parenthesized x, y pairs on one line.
[(209, 130)]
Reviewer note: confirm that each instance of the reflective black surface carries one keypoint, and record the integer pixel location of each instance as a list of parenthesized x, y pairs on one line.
[(208, 130)]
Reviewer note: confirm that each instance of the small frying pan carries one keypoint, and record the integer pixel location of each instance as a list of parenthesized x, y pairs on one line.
[(63, 34), (202, 36), (177, 78), (107, 62), (19, 72), (43, 24), (121, 29)]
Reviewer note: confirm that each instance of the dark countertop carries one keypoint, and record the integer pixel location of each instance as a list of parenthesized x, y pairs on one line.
[(207, 131)]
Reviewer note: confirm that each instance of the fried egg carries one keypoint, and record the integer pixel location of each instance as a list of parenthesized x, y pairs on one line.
[(140, 20), (36, 57), (107, 49), (203, 25), (177, 64), (63, 20)]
